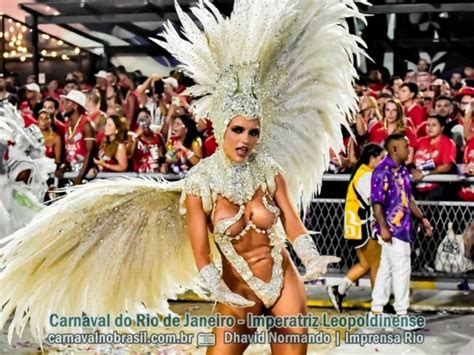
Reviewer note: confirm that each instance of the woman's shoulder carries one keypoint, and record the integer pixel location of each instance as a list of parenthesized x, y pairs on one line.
[(268, 164), (365, 178), (55, 137), (198, 183), (447, 141), (197, 141), (201, 171)]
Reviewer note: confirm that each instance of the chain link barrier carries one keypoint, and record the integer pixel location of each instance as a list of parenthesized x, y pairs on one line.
[(326, 216)]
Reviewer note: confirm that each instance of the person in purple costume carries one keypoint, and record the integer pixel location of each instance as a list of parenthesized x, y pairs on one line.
[(393, 203)]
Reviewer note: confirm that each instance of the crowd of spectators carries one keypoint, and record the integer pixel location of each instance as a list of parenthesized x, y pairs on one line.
[(123, 123), (434, 114), (127, 122)]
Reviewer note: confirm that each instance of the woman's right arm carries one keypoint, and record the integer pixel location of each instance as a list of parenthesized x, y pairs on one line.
[(197, 226)]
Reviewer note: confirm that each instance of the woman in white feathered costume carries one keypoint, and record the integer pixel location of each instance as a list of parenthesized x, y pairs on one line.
[(276, 80), (24, 170)]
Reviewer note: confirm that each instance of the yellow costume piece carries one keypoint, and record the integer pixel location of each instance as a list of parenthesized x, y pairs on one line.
[(355, 202)]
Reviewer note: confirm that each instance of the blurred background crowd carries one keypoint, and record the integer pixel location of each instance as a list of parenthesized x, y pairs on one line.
[(126, 122)]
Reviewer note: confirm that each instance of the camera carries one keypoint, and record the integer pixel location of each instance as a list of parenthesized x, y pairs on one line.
[(206, 339)]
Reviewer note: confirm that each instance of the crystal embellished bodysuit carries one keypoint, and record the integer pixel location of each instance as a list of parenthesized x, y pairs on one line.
[(217, 176)]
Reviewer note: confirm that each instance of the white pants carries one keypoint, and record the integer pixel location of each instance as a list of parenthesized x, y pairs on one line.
[(395, 267)]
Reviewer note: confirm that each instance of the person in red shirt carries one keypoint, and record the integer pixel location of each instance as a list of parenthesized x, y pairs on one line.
[(375, 81), (80, 137), (426, 95), (465, 98), (52, 90), (147, 148), (435, 154), (466, 192), (443, 106), (393, 122), (407, 95)]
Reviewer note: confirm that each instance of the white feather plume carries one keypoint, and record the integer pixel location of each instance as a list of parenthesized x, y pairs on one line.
[(306, 57)]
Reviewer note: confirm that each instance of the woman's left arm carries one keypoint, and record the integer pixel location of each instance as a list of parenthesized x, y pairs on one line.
[(303, 244), (290, 219)]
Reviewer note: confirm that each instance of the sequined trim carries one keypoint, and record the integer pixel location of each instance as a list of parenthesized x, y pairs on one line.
[(267, 292), (217, 175), (223, 225)]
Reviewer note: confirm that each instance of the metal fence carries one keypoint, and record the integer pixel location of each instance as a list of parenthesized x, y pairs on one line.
[(327, 217)]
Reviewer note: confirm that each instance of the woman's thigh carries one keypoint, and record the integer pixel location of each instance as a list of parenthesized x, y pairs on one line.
[(372, 253), (225, 336), (291, 303)]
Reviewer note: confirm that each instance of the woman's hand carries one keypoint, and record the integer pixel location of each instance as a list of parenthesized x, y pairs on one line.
[(220, 292), (315, 264), (59, 173)]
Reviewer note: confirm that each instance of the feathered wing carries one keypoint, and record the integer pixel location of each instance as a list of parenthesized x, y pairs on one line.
[(102, 249), (306, 56)]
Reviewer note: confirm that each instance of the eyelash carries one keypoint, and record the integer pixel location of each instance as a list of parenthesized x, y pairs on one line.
[(253, 132)]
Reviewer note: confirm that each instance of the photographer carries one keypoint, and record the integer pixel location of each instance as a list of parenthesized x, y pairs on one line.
[(146, 149)]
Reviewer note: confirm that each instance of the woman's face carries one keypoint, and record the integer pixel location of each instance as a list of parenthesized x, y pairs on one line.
[(44, 122), (390, 112), (178, 130), (404, 94), (240, 138), (110, 129), (433, 128), (53, 85)]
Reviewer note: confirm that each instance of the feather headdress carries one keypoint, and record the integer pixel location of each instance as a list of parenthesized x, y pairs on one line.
[(288, 62)]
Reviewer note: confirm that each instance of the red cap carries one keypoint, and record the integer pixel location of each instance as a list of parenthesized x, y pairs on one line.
[(467, 90)]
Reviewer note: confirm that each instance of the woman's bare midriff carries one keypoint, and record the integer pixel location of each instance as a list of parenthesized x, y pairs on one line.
[(253, 246)]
